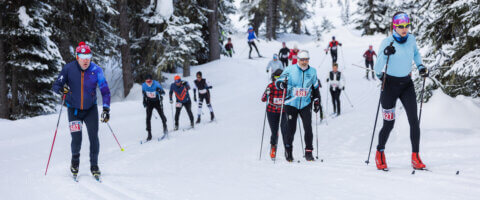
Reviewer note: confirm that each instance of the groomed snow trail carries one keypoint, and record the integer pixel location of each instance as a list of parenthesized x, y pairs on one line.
[(220, 160)]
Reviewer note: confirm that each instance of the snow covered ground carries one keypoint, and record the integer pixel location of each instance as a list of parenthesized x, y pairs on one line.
[(220, 160)]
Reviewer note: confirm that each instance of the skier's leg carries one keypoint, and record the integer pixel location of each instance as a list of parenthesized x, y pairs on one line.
[(200, 105), (338, 101), (408, 99), (366, 66), (177, 114), (254, 45), (188, 107), (332, 94), (273, 119), (388, 100), (149, 116), (75, 124), (159, 108), (371, 67), (291, 125), (306, 115), (91, 121), (250, 52)]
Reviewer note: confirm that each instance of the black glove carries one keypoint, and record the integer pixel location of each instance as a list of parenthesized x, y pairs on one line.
[(105, 115), (210, 87), (340, 44), (316, 105), (321, 113), (171, 101), (389, 50), (423, 71), (284, 84), (144, 103), (343, 88), (267, 70), (184, 83), (195, 98)]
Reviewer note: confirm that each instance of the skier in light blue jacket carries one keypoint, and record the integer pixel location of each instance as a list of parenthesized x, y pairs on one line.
[(301, 84)]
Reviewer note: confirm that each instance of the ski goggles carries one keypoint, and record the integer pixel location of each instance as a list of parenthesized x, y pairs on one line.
[(276, 77), (402, 26), (84, 56)]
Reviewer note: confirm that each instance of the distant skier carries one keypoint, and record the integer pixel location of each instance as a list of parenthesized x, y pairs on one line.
[(301, 83), (337, 83), (402, 49), (293, 54), (274, 64), (368, 55), (82, 78), (333, 46), (229, 47), (180, 88), (274, 96), (283, 54), (152, 98), (251, 42), (203, 93)]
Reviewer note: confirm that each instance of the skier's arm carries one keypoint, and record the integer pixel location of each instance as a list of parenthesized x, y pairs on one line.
[(265, 94), (160, 89), (374, 54), (170, 93), (60, 82), (103, 85), (381, 60), (281, 80), (365, 54), (417, 57)]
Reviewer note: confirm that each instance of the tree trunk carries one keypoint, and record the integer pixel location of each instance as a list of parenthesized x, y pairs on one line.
[(270, 20), (275, 19), (213, 40), (186, 66), (3, 80), (14, 86), (125, 48)]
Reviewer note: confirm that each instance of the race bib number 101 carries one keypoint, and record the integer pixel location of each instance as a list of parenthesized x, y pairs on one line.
[(300, 92)]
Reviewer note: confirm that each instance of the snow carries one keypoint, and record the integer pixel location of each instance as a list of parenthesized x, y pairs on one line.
[(164, 8), (23, 16), (220, 160)]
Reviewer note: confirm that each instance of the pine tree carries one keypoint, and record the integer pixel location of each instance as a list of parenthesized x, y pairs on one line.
[(371, 17)]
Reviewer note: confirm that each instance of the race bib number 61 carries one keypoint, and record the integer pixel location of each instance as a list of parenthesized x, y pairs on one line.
[(300, 92)]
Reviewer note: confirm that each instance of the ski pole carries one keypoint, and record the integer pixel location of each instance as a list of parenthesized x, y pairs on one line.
[(281, 114), (173, 118), (316, 131), (343, 57), (55, 135), (346, 95), (121, 149), (326, 108), (325, 56), (421, 100), (355, 65), (378, 107), (263, 130)]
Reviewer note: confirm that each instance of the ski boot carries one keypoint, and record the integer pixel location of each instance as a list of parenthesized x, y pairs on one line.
[(288, 154), (176, 127), (95, 172), (212, 116), (192, 124), (165, 129), (273, 152), (380, 160), (309, 155), (74, 167), (417, 162), (149, 137), (198, 120)]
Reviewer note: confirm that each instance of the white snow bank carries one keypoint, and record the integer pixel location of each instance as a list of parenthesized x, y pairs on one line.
[(23, 16), (164, 8)]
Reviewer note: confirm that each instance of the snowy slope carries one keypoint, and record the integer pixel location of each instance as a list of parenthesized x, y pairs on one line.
[(220, 160)]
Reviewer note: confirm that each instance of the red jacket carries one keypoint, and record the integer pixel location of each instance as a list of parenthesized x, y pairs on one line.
[(274, 99), (368, 55), (293, 56)]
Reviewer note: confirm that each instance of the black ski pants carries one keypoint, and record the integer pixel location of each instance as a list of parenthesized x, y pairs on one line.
[(250, 44), (159, 107), (205, 97), (273, 121), (284, 62), (76, 118), (335, 99), (334, 56), (291, 125), (188, 107), (399, 88), (369, 65)]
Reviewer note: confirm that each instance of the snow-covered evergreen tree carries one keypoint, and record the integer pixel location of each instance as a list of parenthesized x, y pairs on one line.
[(371, 17)]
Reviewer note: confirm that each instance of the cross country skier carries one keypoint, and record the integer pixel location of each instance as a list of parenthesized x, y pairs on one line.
[(368, 55), (274, 64), (203, 93), (180, 88), (337, 83), (332, 46), (152, 98), (81, 78), (274, 108), (301, 83), (283, 54), (251, 42), (229, 47), (402, 49), (293, 54)]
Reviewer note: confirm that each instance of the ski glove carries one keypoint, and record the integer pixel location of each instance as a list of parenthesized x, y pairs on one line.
[(195, 98), (105, 115), (283, 85), (343, 88), (389, 50), (316, 105), (423, 71), (184, 83), (144, 103)]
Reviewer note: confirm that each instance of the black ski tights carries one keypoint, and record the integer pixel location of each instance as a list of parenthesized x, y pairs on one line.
[(335, 100), (291, 126), (399, 88), (188, 107), (273, 120), (250, 44)]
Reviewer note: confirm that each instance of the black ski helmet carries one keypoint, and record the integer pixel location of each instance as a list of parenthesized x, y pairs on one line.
[(333, 37), (277, 72), (199, 73)]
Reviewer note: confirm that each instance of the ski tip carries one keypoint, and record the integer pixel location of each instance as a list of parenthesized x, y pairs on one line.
[(413, 172), (458, 172), (122, 149)]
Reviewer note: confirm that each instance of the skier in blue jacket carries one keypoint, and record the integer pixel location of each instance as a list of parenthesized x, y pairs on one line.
[(402, 49), (301, 84), (78, 80), (152, 98), (180, 88), (251, 42)]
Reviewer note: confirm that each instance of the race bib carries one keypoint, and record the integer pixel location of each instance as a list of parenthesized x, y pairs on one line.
[(75, 126), (334, 48), (334, 85), (284, 56), (204, 91), (294, 57), (178, 105), (389, 114), (151, 95), (277, 101), (300, 92)]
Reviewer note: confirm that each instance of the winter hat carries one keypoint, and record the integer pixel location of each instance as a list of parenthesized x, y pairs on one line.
[(83, 51), (177, 79), (148, 76), (295, 46), (277, 73), (333, 37), (303, 54), (275, 56), (199, 73), (250, 28), (400, 18)]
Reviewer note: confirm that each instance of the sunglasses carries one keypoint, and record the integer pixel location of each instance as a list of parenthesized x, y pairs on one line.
[(402, 26), (276, 77), (304, 59)]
